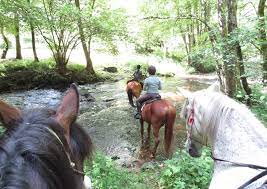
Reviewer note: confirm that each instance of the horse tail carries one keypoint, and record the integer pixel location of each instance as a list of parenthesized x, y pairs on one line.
[(168, 137), (130, 97)]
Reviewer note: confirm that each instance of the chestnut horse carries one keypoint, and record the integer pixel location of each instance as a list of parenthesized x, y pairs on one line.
[(158, 113), (133, 89), (44, 148)]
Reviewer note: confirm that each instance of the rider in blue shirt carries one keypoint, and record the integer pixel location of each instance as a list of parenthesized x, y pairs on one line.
[(152, 85)]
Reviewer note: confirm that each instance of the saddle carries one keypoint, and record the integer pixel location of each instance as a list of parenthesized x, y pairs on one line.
[(158, 97)]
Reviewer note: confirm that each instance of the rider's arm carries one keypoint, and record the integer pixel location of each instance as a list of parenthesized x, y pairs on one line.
[(160, 85), (145, 85)]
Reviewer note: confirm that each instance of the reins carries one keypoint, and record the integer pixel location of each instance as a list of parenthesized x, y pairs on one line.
[(253, 179), (240, 164)]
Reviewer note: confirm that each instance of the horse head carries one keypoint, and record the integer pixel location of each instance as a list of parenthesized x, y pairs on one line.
[(192, 112), (44, 148)]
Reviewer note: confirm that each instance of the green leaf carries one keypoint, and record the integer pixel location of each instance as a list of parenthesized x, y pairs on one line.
[(262, 97)]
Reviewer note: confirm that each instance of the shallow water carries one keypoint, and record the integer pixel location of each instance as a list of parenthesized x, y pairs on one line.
[(107, 116)]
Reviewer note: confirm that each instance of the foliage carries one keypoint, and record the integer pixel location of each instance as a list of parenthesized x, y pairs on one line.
[(202, 60), (183, 171), (104, 25), (105, 174), (259, 104), (132, 64), (27, 74)]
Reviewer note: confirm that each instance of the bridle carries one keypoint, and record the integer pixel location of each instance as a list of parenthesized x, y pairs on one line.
[(71, 163), (190, 122)]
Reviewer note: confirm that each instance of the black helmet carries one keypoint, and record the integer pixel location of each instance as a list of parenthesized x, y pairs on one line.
[(138, 67), (151, 70)]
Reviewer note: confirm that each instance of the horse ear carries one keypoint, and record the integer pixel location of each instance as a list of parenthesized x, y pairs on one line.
[(185, 93), (9, 115), (215, 87), (68, 109)]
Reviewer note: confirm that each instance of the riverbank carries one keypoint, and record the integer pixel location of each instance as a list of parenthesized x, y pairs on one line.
[(27, 74)]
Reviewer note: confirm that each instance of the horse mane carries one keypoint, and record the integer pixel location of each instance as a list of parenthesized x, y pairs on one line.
[(219, 109), (31, 156)]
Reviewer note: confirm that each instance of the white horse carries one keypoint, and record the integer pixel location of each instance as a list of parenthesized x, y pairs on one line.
[(237, 139)]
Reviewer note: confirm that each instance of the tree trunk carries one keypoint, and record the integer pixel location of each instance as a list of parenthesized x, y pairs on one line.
[(89, 65), (4, 53), (33, 39), (33, 43), (61, 63), (17, 36), (229, 59), (189, 61), (262, 37), (242, 73), (232, 25), (86, 50)]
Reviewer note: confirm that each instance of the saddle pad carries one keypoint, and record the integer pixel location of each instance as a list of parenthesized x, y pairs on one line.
[(150, 101)]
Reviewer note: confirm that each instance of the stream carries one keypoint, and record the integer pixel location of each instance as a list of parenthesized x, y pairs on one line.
[(106, 114)]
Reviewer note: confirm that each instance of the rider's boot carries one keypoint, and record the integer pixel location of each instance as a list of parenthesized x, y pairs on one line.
[(138, 114)]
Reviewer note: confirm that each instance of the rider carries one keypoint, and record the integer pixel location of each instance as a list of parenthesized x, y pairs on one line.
[(137, 75), (152, 85)]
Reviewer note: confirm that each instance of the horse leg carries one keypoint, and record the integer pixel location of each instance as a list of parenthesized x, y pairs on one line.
[(142, 130), (147, 142), (156, 139)]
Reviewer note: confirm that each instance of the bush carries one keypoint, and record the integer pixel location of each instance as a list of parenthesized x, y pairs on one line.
[(133, 63), (183, 171), (259, 103), (105, 174), (27, 74), (177, 56), (203, 61)]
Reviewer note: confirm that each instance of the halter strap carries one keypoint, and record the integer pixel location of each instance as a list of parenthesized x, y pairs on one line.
[(72, 164), (190, 122)]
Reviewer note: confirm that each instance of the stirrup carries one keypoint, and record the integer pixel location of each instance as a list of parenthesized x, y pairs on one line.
[(137, 115)]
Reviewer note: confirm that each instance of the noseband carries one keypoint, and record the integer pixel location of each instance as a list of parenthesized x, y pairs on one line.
[(72, 164)]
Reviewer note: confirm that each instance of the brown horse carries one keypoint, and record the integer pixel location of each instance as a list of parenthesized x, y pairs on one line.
[(44, 148), (158, 113), (133, 89)]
